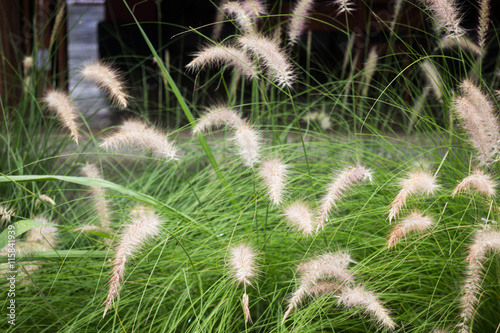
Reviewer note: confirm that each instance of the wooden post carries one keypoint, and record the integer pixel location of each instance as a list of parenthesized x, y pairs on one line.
[(11, 44)]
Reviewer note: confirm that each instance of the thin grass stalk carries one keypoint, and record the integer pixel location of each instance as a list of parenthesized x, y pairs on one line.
[(185, 108)]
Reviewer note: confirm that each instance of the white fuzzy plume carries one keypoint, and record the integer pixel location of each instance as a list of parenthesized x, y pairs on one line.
[(248, 142), (477, 115), (144, 225), (224, 55), (98, 194), (136, 133), (447, 17), (345, 180), (415, 222), (272, 57), (485, 241), (329, 266), (418, 182), (242, 263), (107, 78), (60, 103), (274, 173), (298, 20), (478, 181), (241, 15), (360, 297), (299, 216), (218, 115)]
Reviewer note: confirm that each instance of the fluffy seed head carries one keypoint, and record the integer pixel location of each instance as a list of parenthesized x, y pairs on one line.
[(299, 216), (98, 194), (360, 297), (254, 7), (224, 55), (298, 20), (109, 79), (447, 17), (485, 241), (274, 173), (345, 6), (345, 180), (246, 307), (60, 103), (144, 224), (45, 198), (433, 78), (248, 142), (6, 214), (242, 262), (478, 181), (477, 115), (370, 69), (136, 133), (44, 236), (236, 10), (279, 67), (484, 20), (418, 182), (415, 222), (218, 115), (327, 267)]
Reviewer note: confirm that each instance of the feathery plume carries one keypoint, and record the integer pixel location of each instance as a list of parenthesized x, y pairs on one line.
[(144, 225), (98, 194), (485, 241), (417, 182), (219, 16), (462, 42), (345, 6), (248, 141), (447, 17), (6, 214), (369, 70), (45, 198), (139, 134), (345, 180), (324, 287), (484, 21), (433, 78), (358, 296), (108, 79), (298, 20), (243, 268), (45, 235), (477, 116), (242, 263), (398, 6), (300, 216), (274, 173), (269, 52), (61, 104), (477, 181), (415, 222), (224, 55), (254, 7), (324, 268), (216, 116), (236, 10)]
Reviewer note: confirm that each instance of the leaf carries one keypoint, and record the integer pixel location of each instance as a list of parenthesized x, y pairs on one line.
[(106, 184)]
